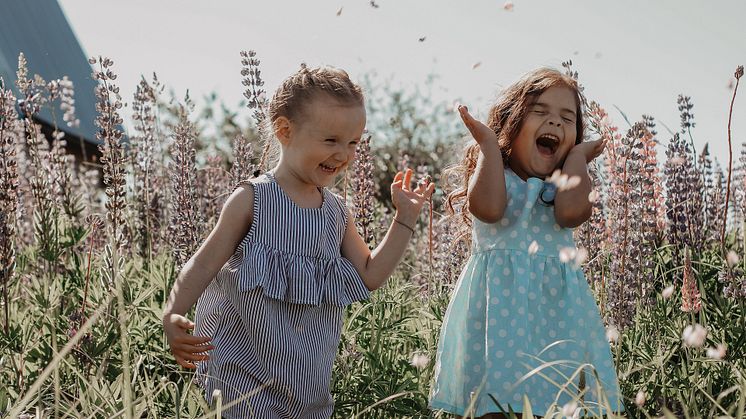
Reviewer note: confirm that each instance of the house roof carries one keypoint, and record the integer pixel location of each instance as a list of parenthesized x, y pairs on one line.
[(40, 30)]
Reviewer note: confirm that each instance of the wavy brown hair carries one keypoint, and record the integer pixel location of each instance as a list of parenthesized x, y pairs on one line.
[(506, 118), (298, 90)]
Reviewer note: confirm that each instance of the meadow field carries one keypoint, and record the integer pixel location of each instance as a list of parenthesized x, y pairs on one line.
[(89, 251)]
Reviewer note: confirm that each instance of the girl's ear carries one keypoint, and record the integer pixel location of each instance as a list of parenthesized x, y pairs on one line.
[(283, 130)]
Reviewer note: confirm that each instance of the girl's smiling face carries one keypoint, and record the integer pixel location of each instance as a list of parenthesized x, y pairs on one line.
[(547, 134), (322, 143)]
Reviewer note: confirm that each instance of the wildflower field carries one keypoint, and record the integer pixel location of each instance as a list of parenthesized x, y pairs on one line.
[(89, 251)]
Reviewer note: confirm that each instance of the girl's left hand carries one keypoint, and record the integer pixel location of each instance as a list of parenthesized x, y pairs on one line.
[(409, 202), (589, 149)]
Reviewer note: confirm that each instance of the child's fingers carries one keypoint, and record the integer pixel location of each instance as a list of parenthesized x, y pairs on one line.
[(407, 185), (194, 349), (194, 354), (181, 360), (193, 340), (398, 177), (186, 364), (183, 322), (430, 190)]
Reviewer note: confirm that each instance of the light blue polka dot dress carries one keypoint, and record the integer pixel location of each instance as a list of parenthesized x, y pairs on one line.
[(514, 310)]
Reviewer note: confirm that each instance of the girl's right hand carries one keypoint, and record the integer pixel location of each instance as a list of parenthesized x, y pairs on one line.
[(185, 347), (482, 133)]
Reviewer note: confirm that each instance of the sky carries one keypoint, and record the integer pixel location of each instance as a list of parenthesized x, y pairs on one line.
[(634, 55)]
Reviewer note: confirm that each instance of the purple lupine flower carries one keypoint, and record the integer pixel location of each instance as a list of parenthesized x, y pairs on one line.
[(185, 217), (632, 224), (147, 197), (8, 192), (214, 187), (242, 167), (364, 190)]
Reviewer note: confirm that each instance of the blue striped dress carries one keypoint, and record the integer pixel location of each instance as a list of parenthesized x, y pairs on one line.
[(275, 309)]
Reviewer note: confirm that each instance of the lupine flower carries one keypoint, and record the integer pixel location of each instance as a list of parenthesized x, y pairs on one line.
[(252, 79), (186, 220), (694, 336), (243, 153), (146, 168), (684, 188), (735, 285), (8, 189), (690, 297), (713, 195), (213, 181), (364, 191)]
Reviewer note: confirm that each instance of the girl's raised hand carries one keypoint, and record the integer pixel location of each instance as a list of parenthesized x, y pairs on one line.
[(589, 149), (185, 347), (482, 133), (407, 201)]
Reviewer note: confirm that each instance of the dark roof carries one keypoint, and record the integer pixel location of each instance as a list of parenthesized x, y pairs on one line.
[(40, 30)]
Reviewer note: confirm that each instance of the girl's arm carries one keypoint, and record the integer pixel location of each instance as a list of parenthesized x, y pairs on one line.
[(375, 267), (232, 226), (486, 192), (571, 206)]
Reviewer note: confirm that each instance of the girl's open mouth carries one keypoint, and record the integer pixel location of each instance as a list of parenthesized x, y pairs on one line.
[(547, 144), (328, 169)]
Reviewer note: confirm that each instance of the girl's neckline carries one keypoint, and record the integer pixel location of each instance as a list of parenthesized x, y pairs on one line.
[(536, 179), (272, 177)]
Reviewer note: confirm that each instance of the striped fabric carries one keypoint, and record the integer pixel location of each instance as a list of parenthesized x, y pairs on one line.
[(275, 309)]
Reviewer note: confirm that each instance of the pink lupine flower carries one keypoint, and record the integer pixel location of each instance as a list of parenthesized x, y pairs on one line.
[(691, 300)]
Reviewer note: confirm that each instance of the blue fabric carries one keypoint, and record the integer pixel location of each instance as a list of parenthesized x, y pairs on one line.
[(509, 308)]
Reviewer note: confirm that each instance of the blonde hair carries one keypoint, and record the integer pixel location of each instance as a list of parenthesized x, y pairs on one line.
[(506, 118), (292, 97)]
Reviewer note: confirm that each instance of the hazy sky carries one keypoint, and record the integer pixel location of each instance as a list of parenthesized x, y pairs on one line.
[(638, 55)]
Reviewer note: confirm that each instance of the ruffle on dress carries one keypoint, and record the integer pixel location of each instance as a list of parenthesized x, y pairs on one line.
[(294, 278)]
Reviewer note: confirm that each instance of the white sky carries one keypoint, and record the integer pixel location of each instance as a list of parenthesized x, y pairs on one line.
[(637, 54)]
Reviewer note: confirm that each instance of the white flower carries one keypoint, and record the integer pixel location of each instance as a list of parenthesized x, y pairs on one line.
[(667, 292), (572, 182), (558, 179), (419, 360), (567, 254), (641, 398), (593, 196), (562, 181), (732, 258), (533, 248), (569, 409), (694, 336), (580, 257), (612, 334), (717, 352)]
